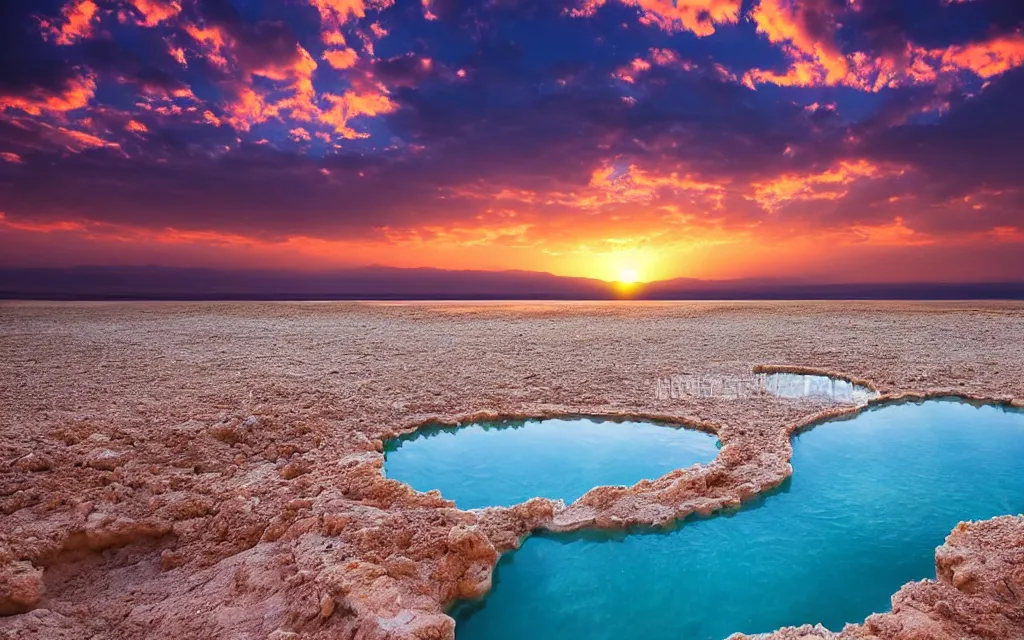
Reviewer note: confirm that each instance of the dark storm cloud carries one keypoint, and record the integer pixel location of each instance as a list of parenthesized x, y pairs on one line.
[(977, 144), (406, 70), (256, 45), (243, 192), (110, 58), (30, 66), (888, 26)]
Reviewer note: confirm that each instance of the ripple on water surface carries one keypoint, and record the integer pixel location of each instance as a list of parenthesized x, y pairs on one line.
[(870, 499), (505, 463)]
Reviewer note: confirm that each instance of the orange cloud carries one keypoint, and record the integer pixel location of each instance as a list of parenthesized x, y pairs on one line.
[(251, 106), (816, 60), (214, 41), (784, 21), (211, 118), (628, 73), (76, 95), (334, 38), (895, 233), (667, 58), (986, 59), (831, 184), (299, 134), (428, 12), (154, 12), (664, 57), (696, 16), (248, 107), (1008, 234), (76, 141), (338, 12), (335, 13), (874, 73), (801, 73), (484, 234), (865, 72), (77, 21), (299, 78), (178, 54), (806, 32), (611, 184), (85, 135), (354, 103), (40, 227), (136, 127), (341, 58), (105, 232), (250, 103)]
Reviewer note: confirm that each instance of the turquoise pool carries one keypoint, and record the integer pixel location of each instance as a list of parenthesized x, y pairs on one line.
[(870, 499), (505, 463)]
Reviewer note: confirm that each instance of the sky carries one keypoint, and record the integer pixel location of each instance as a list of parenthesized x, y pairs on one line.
[(857, 141)]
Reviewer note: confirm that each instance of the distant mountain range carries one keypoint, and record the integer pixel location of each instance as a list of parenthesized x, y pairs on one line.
[(387, 283)]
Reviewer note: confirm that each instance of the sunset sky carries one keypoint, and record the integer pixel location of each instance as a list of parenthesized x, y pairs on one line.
[(869, 140)]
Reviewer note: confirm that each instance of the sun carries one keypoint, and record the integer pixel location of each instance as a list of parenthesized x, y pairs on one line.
[(628, 275)]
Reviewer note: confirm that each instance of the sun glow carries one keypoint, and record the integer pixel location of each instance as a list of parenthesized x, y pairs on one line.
[(628, 275), (625, 266)]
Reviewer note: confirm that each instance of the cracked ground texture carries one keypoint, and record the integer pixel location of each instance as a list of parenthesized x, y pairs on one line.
[(212, 470)]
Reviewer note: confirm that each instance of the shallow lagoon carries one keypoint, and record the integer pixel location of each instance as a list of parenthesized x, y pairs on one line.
[(505, 463), (870, 499)]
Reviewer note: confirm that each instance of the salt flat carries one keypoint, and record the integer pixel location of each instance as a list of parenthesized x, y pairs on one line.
[(212, 469)]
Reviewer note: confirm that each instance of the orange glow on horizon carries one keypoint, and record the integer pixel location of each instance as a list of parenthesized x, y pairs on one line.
[(626, 261)]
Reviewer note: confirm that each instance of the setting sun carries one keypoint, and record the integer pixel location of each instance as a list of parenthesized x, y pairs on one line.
[(628, 276), (632, 265)]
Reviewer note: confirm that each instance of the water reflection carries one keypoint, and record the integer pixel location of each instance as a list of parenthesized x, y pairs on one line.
[(794, 385)]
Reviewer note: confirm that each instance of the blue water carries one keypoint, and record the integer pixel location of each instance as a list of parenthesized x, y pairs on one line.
[(503, 464), (869, 500)]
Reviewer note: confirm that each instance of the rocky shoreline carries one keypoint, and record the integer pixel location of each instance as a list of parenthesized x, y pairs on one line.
[(215, 470)]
